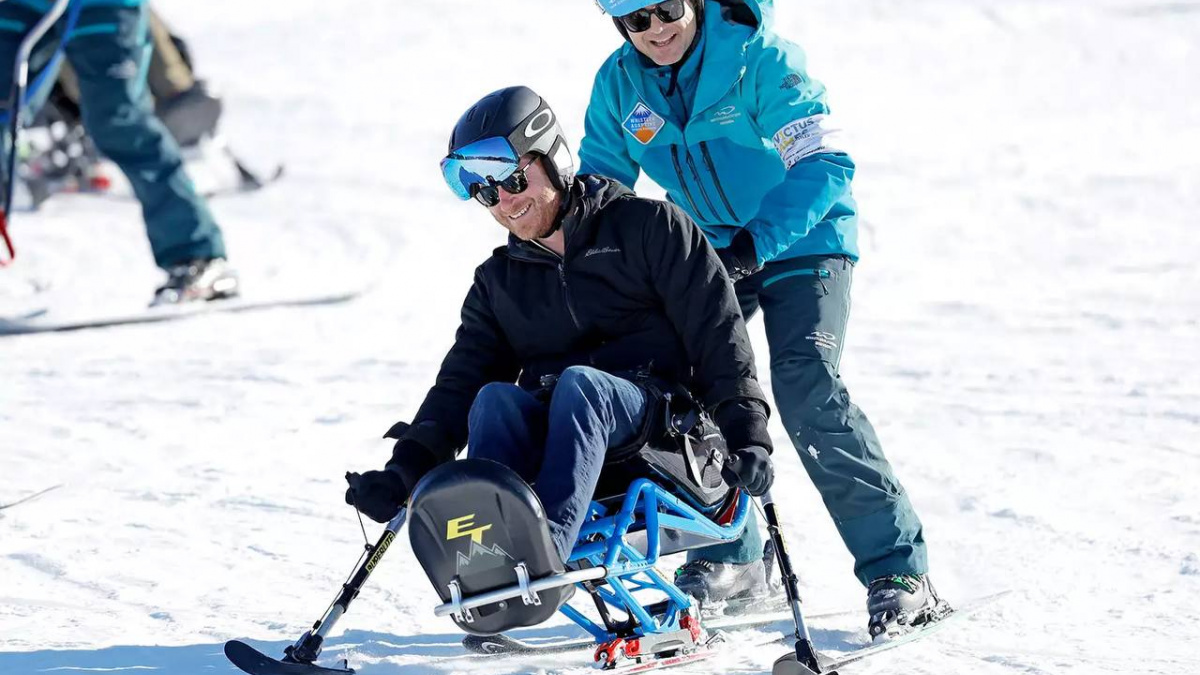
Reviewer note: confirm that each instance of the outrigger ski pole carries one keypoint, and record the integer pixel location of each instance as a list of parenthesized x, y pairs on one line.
[(803, 659), (300, 658)]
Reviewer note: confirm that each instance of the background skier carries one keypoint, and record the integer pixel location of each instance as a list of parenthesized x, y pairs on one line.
[(720, 112), (597, 295), (108, 50)]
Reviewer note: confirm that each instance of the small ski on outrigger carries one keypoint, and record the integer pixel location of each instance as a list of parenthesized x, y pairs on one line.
[(300, 658), (255, 662)]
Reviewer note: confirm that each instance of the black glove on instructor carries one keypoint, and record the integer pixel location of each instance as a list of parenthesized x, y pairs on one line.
[(749, 468), (740, 258), (379, 495)]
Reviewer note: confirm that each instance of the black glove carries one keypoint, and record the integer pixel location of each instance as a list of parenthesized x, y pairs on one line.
[(380, 494), (749, 468), (377, 494), (740, 258)]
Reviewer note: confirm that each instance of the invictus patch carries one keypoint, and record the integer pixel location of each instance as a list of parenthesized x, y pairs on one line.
[(801, 138)]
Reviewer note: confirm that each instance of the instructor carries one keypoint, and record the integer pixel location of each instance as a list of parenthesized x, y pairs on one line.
[(718, 110)]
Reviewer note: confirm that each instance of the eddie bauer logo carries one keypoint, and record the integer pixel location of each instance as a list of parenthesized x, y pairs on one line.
[(462, 527)]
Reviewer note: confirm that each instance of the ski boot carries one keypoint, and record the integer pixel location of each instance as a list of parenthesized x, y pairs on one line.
[(730, 588), (204, 280), (901, 602)]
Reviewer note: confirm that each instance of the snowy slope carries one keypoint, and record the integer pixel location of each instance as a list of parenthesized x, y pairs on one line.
[(1024, 337)]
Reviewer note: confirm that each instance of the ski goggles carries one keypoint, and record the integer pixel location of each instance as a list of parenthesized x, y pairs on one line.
[(481, 169), (639, 21), (484, 163)]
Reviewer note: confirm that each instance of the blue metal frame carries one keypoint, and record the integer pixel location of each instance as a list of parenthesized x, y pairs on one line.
[(23, 94), (34, 91), (647, 506)]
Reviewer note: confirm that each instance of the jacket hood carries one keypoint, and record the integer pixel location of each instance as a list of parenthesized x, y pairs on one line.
[(757, 14)]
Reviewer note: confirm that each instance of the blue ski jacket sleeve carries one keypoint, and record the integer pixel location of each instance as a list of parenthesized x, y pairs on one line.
[(792, 113), (602, 151), (745, 143)]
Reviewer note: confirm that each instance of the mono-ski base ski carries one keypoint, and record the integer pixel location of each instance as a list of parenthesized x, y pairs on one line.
[(504, 645)]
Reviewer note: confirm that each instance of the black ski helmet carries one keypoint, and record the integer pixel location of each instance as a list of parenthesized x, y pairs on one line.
[(525, 120)]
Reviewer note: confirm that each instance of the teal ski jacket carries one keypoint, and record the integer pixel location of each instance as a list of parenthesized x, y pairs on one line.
[(742, 141)]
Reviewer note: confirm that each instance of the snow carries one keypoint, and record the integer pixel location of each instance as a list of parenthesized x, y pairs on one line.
[(1025, 336)]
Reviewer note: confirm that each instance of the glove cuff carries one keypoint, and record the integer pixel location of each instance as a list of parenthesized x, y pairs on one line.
[(410, 461), (743, 423)]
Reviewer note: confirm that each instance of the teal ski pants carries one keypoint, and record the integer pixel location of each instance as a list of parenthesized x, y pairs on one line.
[(805, 304)]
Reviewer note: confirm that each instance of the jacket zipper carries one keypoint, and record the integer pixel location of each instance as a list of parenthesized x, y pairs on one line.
[(562, 276), (683, 180), (717, 180), (703, 192)]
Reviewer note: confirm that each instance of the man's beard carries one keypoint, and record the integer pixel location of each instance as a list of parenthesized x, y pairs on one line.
[(547, 229)]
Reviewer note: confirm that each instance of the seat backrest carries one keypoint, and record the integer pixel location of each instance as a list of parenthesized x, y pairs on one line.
[(473, 521)]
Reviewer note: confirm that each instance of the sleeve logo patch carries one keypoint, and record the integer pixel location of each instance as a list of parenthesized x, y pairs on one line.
[(643, 123), (791, 81), (800, 139)]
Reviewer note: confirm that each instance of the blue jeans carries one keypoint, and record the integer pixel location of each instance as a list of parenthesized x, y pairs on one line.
[(558, 447), (110, 51), (806, 305)]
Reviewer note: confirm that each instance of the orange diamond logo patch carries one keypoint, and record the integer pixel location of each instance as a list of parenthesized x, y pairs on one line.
[(643, 123)]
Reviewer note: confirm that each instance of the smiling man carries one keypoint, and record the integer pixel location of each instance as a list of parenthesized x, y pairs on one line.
[(572, 332), (719, 111)]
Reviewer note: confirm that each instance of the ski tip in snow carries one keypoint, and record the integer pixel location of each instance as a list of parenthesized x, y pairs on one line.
[(45, 322), (250, 660)]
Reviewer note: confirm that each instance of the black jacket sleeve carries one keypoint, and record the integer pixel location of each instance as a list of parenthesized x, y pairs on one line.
[(700, 301), (481, 354)]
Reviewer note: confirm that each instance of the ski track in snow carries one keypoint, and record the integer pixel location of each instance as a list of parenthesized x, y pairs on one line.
[(1024, 337)]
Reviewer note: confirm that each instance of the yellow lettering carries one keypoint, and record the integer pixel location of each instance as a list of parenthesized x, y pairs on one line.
[(462, 527)]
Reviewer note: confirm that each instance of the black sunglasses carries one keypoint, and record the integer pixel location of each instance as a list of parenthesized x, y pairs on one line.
[(639, 21), (516, 183)]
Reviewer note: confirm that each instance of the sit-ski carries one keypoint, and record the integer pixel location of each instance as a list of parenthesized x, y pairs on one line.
[(481, 536)]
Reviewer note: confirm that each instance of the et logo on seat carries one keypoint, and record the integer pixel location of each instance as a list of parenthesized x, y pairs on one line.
[(464, 527)]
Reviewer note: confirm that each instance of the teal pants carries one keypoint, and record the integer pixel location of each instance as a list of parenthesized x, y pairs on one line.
[(805, 304), (110, 50)]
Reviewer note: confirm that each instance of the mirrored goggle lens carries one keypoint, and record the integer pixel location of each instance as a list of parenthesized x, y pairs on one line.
[(639, 21), (474, 164)]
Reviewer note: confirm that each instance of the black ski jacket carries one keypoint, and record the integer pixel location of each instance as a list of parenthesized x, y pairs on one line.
[(638, 289)]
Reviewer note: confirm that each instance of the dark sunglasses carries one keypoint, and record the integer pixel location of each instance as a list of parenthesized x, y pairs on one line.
[(516, 183), (639, 21)]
